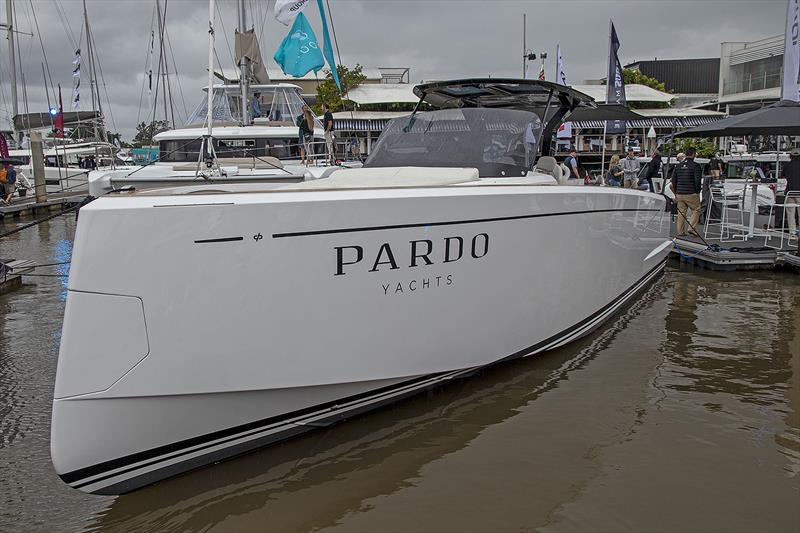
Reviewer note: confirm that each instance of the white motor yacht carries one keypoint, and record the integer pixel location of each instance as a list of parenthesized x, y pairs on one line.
[(205, 321)]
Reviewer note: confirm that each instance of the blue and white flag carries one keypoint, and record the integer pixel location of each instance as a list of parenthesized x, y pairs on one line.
[(299, 52), (327, 49)]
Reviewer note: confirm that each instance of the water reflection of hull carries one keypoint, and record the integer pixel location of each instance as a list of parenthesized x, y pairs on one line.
[(315, 480), (209, 363)]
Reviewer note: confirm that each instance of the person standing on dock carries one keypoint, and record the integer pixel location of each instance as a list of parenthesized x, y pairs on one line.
[(715, 166), (687, 181), (791, 173), (327, 123), (10, 184), (653, 168), (571, 162), (615, 172), (631, 167)]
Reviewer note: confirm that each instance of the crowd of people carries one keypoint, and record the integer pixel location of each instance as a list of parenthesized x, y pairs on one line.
[(687, 181)]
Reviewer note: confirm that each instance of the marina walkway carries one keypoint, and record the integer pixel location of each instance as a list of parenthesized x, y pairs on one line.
[(28, 206)]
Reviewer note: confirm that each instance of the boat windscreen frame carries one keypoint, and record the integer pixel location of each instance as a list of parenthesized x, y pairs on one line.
[(507, 93)]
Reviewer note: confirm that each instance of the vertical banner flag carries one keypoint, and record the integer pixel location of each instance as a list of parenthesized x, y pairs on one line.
[(76, 80), (59, 123), (791, 54), (150, 62), (299, 52), (327, 49), (615, 83), (287, 10), (561, 76), (541, 72)]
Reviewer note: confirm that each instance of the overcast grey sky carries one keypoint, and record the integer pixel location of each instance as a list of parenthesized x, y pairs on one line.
[(436, 39)]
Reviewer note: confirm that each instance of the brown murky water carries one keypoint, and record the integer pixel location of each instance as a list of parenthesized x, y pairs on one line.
[(682, 414)]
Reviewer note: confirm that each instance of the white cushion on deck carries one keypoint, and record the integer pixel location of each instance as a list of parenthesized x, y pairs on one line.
[(358, 178)]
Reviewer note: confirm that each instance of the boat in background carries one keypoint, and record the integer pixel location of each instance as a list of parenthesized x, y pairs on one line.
[(67, 165), (267, 150), (264, 312)]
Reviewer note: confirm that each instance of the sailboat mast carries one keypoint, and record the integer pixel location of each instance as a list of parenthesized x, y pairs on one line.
[(244, 67), (162, 60), (91, 63), (210, 110), (12, 61)]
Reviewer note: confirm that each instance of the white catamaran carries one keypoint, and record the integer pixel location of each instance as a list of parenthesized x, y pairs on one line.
[(208, 320)]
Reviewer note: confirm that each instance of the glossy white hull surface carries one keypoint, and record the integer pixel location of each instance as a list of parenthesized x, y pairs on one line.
[(261, 315)]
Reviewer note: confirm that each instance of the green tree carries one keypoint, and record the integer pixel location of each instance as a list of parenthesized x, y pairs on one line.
[(705, 147), (328, 93), (634, 76), (145, 132)]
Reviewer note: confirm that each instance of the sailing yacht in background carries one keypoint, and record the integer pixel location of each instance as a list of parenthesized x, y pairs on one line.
[(68, 161), (246, 149)]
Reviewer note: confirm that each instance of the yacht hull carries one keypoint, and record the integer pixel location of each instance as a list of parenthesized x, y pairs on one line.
[(259, 316)]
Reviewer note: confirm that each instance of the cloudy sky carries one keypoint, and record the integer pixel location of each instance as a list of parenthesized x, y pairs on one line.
[(437, 39)]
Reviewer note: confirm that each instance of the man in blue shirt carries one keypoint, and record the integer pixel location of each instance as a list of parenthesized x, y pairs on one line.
[(255, 106)]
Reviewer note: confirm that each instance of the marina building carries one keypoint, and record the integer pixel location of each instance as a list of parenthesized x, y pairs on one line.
[(750, 74), (691, 81)]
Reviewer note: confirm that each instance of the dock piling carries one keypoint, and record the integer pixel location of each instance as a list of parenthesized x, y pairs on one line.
[(37, 160)]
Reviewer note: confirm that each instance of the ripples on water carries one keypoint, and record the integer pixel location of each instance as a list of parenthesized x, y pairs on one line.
[(680, 414)]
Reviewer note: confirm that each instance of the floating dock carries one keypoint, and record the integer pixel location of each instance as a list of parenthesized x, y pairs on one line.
[(13, 279), (752, 254), (28, 206)]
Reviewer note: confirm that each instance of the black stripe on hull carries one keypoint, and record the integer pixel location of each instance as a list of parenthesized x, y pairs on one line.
[(174, 457), (458, 222)]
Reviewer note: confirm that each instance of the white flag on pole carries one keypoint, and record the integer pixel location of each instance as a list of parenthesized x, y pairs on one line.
[(791, 54), (287, 10), (561, 76), (564, 131), (76, 85)]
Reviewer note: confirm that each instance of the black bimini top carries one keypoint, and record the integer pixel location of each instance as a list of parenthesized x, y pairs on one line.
[(501, 92)]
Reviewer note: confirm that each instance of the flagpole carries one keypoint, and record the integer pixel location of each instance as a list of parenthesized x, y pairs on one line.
[(210, 110), (558, 58), (605, 122), (524, 46)]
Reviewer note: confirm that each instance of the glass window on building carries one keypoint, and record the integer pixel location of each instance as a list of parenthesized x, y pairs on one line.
[(754, 75)]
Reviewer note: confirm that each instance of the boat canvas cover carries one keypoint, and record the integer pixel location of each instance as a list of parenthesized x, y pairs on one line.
[(246, 45), (35, 121)]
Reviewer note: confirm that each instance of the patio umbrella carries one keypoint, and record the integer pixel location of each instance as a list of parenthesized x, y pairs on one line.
[(780, 118)]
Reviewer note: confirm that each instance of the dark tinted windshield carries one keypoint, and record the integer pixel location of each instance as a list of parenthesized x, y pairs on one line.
[(498, 142)]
